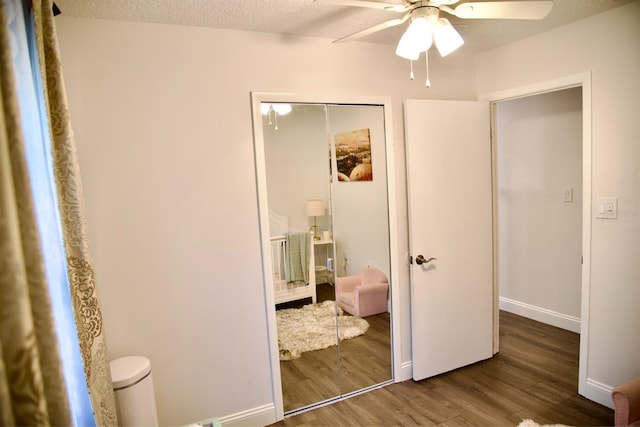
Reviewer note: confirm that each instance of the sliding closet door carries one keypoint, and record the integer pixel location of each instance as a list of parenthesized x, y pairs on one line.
[(297, 169), (361, 232), (325, 169)]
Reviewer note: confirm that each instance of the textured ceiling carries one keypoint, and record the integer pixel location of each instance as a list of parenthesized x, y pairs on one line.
[(317, 19)]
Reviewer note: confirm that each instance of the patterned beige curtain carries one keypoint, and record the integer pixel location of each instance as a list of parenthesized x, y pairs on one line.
[(71, 202), (32, 388)]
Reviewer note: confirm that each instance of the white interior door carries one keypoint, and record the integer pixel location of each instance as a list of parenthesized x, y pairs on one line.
[(450, 219)]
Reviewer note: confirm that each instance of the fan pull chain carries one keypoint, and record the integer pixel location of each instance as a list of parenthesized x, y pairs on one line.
[(411, 73), (426, 59), (270, 110), (275, 117)]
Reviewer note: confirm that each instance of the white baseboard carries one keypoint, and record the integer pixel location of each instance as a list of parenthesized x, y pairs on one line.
[(406, 371), (266, 414), (598, 392), (540, 314), (259, 416)]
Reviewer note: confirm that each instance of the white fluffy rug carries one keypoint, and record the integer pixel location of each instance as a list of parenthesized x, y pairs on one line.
[(313, 327), (531, 423)]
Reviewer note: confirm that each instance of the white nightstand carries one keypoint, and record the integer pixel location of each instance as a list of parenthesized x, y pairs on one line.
[(323, 251)]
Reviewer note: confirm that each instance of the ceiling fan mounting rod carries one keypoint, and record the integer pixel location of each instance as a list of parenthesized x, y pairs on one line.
[(430, 13), (435, 3)]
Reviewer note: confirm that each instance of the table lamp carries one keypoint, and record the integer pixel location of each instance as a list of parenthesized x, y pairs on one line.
[(315, 208)]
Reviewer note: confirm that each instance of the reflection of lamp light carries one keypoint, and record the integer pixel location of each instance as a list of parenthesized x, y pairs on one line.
[(315, 208), (281, 109)]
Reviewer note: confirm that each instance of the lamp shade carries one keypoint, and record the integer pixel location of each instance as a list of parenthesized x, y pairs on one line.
[(446, 37), (415, 40), (314, 207)]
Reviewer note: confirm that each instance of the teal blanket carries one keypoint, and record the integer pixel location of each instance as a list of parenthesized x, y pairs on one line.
[(298, 253)]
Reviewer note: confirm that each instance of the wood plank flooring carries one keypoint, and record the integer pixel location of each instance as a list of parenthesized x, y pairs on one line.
[(534, 376), (366, 360), (319, 375)]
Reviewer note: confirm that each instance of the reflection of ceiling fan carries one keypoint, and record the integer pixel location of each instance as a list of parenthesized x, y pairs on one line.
[(427, 26)]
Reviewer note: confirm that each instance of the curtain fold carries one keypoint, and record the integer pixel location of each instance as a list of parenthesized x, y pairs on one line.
[(71, 204), (32, 387)]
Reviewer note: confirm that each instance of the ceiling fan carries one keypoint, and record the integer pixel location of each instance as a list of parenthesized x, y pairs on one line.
[(426, 25), (534, 9)]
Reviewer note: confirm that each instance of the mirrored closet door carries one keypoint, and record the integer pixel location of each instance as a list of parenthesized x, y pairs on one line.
[(325, 185), (361, 236)]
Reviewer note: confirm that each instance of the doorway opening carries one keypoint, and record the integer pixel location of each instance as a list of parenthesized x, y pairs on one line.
[(529, 215), (538, 174)]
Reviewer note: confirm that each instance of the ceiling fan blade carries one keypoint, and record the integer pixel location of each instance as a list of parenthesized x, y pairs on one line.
[(374, 29), (368, 4), (503, 10)]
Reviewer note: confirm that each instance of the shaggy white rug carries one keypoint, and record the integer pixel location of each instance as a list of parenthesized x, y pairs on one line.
[(531, 423), (313, 327)]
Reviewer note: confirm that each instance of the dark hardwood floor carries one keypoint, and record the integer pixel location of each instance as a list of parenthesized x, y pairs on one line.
[(534, 376)]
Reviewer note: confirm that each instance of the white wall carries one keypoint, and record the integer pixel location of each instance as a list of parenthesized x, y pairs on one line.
[(163, 127), (539, 155), (605, 45), (297, 164)]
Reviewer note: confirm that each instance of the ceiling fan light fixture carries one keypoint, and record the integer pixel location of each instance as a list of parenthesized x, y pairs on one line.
[(426, 27), (417, 39), (447, 38), (405, 48)]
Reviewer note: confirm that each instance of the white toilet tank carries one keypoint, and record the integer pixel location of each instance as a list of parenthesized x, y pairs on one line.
[(133, 389)]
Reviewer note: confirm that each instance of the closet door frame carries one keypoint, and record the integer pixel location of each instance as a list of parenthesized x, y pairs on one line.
[(263, 211)]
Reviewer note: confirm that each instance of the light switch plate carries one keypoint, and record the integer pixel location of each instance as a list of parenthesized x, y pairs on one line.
[(607, 207), (567, 194)]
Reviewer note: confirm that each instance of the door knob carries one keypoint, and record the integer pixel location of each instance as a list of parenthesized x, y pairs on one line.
[(421, 260)]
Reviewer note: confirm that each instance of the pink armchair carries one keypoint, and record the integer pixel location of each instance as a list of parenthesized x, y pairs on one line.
[(626, 399), (365, 294)]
